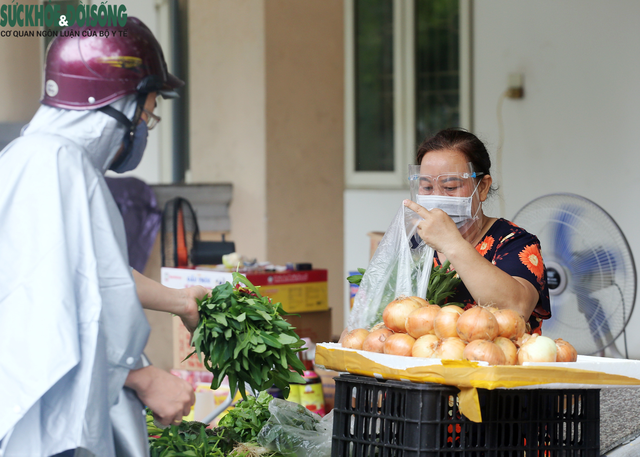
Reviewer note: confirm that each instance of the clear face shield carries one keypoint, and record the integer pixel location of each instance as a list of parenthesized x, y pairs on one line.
[(454, 191)]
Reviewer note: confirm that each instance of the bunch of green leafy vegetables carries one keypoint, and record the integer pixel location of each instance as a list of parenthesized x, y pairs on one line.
[(234, 437), (247, 418), (187, 439), (243, 336), (442, 284)]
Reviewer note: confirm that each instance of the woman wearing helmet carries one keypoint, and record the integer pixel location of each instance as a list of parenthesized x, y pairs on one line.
[(69, 302)]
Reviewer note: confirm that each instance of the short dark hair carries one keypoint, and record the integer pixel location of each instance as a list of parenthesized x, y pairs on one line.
[(458, 140)]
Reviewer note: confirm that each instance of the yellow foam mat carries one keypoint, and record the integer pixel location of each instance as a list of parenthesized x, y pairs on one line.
[(594, 372)]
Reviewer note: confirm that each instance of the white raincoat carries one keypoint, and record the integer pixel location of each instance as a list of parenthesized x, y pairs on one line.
[(71, 325)]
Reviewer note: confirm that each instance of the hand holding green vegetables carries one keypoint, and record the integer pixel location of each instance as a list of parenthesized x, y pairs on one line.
[(244, 336)]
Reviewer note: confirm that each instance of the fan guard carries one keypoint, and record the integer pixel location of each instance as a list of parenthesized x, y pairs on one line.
[(590, 270)]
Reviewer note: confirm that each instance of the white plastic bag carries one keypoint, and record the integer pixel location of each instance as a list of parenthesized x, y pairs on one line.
[(401, 265), (294, 431)]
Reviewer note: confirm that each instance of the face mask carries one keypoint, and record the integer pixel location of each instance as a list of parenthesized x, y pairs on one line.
[(133, 150), (458, 208)]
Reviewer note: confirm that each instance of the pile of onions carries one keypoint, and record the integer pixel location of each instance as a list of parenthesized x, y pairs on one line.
[(413, 327), (395, 314)]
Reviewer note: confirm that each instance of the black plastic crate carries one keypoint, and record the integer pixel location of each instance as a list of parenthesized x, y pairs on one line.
[(376, 418)]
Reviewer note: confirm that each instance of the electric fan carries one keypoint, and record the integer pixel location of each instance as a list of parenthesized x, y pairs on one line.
[(181, 243), (591, 273)]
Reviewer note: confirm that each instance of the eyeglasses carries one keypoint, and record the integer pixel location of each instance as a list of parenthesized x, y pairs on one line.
[(452, 184), (152, 119)]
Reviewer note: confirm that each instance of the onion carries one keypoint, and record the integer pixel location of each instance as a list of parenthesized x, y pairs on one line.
[(344, 332), (420, 321), (566, 352), (511, 324), (444, 325), (377, 326), (421, 301), (374, 342), (395, 313), (451, 349), (477, 324), (355, 338), (537, 349), (523, 339), (484, 351), (399, 344), (508, 348), (425, 346), (491, 308)]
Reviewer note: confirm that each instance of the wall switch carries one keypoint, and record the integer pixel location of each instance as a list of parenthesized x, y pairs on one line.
[(515, 87)]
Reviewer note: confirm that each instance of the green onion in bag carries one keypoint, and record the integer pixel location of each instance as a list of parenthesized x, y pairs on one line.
[(442, 284)]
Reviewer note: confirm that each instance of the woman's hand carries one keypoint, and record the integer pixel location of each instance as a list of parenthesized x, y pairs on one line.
[(437, 229), (485, 282), (169, 397)]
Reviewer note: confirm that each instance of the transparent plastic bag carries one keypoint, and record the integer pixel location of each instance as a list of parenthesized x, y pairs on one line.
[(401, 265), (293, 430)]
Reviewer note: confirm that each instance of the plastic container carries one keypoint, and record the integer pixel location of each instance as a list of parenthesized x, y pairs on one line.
[(310, 393), (405, 419)]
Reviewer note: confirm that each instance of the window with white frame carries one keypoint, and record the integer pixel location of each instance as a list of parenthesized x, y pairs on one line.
[(407, 76)]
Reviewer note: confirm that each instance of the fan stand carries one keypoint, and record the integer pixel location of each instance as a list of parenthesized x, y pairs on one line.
[(612, 348)]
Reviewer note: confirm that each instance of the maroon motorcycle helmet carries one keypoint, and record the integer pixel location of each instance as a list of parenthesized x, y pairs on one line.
[(92, 71)]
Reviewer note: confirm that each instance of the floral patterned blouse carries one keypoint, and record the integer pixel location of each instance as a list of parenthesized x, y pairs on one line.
[(516, 252)]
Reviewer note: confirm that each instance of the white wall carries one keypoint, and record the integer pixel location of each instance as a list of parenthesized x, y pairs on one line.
[(365, 211), (575, 129)]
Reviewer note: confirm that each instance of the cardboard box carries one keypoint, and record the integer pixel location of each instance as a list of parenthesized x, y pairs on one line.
[(374, 238), (315, 326), (298, 291)]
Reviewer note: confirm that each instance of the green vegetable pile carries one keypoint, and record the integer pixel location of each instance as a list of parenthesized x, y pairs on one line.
[(244, 336), (245, 421), (442, 284), (189, 439), (235, 436)]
